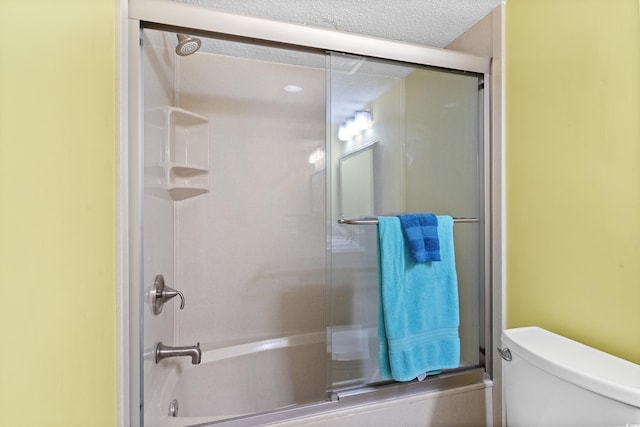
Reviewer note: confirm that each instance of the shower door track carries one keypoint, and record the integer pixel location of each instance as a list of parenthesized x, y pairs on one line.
[(173, 14), (468, 380)]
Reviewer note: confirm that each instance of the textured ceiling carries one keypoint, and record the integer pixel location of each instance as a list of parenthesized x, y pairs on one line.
[(427, 22)]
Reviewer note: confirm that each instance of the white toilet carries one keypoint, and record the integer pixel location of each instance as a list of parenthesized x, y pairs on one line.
[(550, 380)]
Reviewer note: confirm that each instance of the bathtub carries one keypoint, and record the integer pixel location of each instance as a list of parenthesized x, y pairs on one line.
[(240, 380), (266, 375)]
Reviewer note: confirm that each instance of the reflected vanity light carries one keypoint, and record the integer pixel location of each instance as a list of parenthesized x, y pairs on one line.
[(343, 135), (352, 126), (316, 158), (292, 88), (363, 120)]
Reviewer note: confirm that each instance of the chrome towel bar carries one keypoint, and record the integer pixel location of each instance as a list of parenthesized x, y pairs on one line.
[(374, 221)]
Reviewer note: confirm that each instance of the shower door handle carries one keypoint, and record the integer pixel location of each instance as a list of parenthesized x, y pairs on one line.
[(161, 294)]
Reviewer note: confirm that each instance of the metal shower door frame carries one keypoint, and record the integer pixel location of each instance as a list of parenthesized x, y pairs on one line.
[(172, 15)]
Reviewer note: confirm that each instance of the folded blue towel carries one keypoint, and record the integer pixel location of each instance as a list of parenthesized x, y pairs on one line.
[(418, 316), (421, 231)]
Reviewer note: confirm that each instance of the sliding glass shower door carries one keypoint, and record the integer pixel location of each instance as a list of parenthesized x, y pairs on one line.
[(409, 139), (235, 219), (252, 154)]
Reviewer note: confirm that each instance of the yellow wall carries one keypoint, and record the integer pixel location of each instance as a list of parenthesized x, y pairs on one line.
[(57, 213), (573, 102), (573, 170)]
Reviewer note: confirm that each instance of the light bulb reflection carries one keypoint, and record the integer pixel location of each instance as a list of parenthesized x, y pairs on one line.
[(361, 121)]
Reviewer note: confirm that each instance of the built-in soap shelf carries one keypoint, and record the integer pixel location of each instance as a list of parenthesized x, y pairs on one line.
[(187, 153)]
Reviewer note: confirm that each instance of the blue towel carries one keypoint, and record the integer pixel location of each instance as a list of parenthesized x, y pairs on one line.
[(418, 316), (421, 231)]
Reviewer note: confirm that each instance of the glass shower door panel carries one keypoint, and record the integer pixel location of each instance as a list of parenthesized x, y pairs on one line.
[(234, 146), (443, 174), (424, 140), (251, 251), (360, 84)]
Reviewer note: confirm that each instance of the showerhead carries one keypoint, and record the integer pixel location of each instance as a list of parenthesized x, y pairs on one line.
[(187, 45)]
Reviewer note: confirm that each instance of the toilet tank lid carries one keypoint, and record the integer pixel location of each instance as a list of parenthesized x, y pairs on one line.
[(579, 364)]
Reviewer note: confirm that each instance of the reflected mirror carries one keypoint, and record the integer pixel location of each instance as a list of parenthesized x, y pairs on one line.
[(356, 182)]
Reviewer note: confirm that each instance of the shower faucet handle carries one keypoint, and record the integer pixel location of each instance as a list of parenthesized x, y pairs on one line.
[(161, 294)]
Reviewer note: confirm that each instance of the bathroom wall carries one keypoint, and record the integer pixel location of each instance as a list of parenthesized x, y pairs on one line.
[(573, 170), (57, 213), (486, 38)]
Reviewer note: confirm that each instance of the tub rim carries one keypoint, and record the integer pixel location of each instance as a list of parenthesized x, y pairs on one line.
[(450, 381)]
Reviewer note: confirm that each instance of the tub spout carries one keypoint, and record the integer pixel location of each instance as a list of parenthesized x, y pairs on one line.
[(163, 351)]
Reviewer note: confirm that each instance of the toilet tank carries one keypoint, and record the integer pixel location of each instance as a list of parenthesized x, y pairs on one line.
[(554, 381)]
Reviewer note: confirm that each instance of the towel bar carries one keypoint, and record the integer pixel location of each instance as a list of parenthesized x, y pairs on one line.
[(374, 221)]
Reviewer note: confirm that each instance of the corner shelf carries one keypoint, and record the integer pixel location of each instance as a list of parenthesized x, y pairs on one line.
[(187, 153)]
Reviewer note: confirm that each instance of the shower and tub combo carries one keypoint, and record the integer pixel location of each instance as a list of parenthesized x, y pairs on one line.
[(256, 279), (208, 392), (255, 194)]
